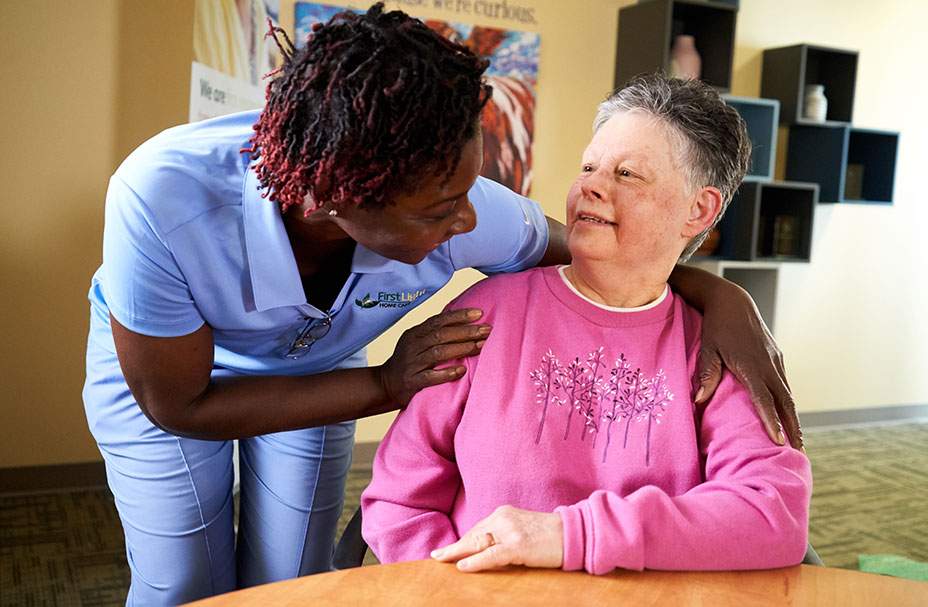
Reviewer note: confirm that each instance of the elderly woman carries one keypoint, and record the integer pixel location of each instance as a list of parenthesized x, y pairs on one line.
[(574, 440)]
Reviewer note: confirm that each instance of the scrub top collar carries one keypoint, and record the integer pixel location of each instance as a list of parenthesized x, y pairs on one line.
[(275, 279)]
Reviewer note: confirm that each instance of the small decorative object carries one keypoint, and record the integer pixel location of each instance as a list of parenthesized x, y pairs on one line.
[(816, 104), (685, 61), (784, 236), (710, 244), (854, 182)]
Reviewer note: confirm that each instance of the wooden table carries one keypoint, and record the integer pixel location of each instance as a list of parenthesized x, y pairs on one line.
[(441, 585)]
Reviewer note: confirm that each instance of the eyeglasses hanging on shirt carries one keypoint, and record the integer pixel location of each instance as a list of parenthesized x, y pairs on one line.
[(311, 332), (316, 328)]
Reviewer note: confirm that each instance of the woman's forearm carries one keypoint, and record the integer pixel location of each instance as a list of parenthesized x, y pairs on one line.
[(698, 287), (557, 252), (735, 335), (239, 407), (172, 381)]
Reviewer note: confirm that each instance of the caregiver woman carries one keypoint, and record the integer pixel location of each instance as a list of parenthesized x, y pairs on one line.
[(248, 261)]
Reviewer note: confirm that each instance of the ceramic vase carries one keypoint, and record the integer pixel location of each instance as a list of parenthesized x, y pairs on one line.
[(685, 61), (816, 104)]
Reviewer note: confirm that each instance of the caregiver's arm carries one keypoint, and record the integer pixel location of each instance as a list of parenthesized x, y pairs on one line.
[(557, 252), (170, 378), (734, 334)]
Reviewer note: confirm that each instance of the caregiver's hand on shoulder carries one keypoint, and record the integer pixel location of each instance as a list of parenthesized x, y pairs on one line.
[(733, 333), (509, 536), (443, 337)]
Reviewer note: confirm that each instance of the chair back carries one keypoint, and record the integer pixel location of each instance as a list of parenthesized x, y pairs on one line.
[(351, 547)]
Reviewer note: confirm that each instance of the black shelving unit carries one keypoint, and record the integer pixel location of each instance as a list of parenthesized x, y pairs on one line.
[(769, 221), (733, 3), (851, 165), (787, 70), (761, 117), (647, 31)]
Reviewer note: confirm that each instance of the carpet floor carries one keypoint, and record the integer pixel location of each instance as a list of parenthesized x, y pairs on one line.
[(871, 490)]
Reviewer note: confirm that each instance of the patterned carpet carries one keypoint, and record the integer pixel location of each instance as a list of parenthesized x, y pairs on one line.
[(62, 549), (871, 491)]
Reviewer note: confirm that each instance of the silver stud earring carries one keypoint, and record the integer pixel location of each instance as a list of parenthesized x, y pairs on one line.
[(333, 212)]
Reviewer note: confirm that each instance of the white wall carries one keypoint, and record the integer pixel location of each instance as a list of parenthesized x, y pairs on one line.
[(852, 323)]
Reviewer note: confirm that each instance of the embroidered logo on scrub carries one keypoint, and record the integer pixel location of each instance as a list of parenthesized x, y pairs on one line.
[(390, 299), (603, 394)]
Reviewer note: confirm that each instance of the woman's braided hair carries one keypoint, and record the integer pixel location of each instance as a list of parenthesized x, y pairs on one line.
[(371, 102)]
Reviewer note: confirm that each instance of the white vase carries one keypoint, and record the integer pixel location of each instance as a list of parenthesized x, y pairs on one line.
[(816, 104), (685, 61)]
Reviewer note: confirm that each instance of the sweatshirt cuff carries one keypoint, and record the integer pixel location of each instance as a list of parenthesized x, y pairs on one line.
[(574, 537)]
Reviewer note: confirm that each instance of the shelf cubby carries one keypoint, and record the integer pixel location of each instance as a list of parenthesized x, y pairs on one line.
[(768, 221), (647, 31), (788, 70), (761, 117), (851, 165), (760, 279)]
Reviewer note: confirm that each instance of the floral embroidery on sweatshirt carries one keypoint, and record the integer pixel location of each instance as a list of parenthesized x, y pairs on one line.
[(604, 397)]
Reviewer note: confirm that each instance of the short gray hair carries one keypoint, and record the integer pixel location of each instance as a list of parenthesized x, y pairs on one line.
[(716, 149)]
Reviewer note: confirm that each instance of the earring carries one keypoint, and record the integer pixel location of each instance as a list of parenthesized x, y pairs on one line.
[(333, 212)]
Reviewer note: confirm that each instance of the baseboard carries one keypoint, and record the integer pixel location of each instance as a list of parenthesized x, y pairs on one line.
[(89, 475), (866, 415), (35, 479), (364, 452), (31, 479), (363, 455)]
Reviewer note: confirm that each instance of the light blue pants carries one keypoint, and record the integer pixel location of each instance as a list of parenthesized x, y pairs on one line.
[(174, 497)]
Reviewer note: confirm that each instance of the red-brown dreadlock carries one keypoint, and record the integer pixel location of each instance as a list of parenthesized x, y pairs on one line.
[(371, 103)]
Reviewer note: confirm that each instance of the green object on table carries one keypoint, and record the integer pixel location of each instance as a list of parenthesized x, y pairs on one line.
[(896, 566)]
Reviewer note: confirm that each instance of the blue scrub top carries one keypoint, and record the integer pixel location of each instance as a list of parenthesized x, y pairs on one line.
[(189, 240)]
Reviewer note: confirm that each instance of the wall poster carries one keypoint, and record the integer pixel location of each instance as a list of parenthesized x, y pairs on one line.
[(508, 120), (231, 55)]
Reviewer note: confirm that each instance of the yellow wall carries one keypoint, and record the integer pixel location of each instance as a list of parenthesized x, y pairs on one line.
[(58, 76), (84, 82)]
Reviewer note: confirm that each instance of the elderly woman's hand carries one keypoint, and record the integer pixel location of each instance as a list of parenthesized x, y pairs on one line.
[(509, 536), (734, 334)]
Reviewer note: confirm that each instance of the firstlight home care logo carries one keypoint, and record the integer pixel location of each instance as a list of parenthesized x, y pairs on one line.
[(390, 299)]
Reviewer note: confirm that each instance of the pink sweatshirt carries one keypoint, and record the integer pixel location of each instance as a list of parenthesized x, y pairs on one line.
[(588, 411)]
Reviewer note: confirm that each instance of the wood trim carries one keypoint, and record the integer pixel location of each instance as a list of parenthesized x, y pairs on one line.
[(29, 479), (867, 415), (33, 479), (86, 475), (363, 454)]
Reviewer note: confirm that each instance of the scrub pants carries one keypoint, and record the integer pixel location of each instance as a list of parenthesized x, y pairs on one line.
[(174, 497)]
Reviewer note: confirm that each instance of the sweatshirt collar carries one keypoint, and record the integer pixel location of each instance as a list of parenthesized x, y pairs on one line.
[(657, 311)]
